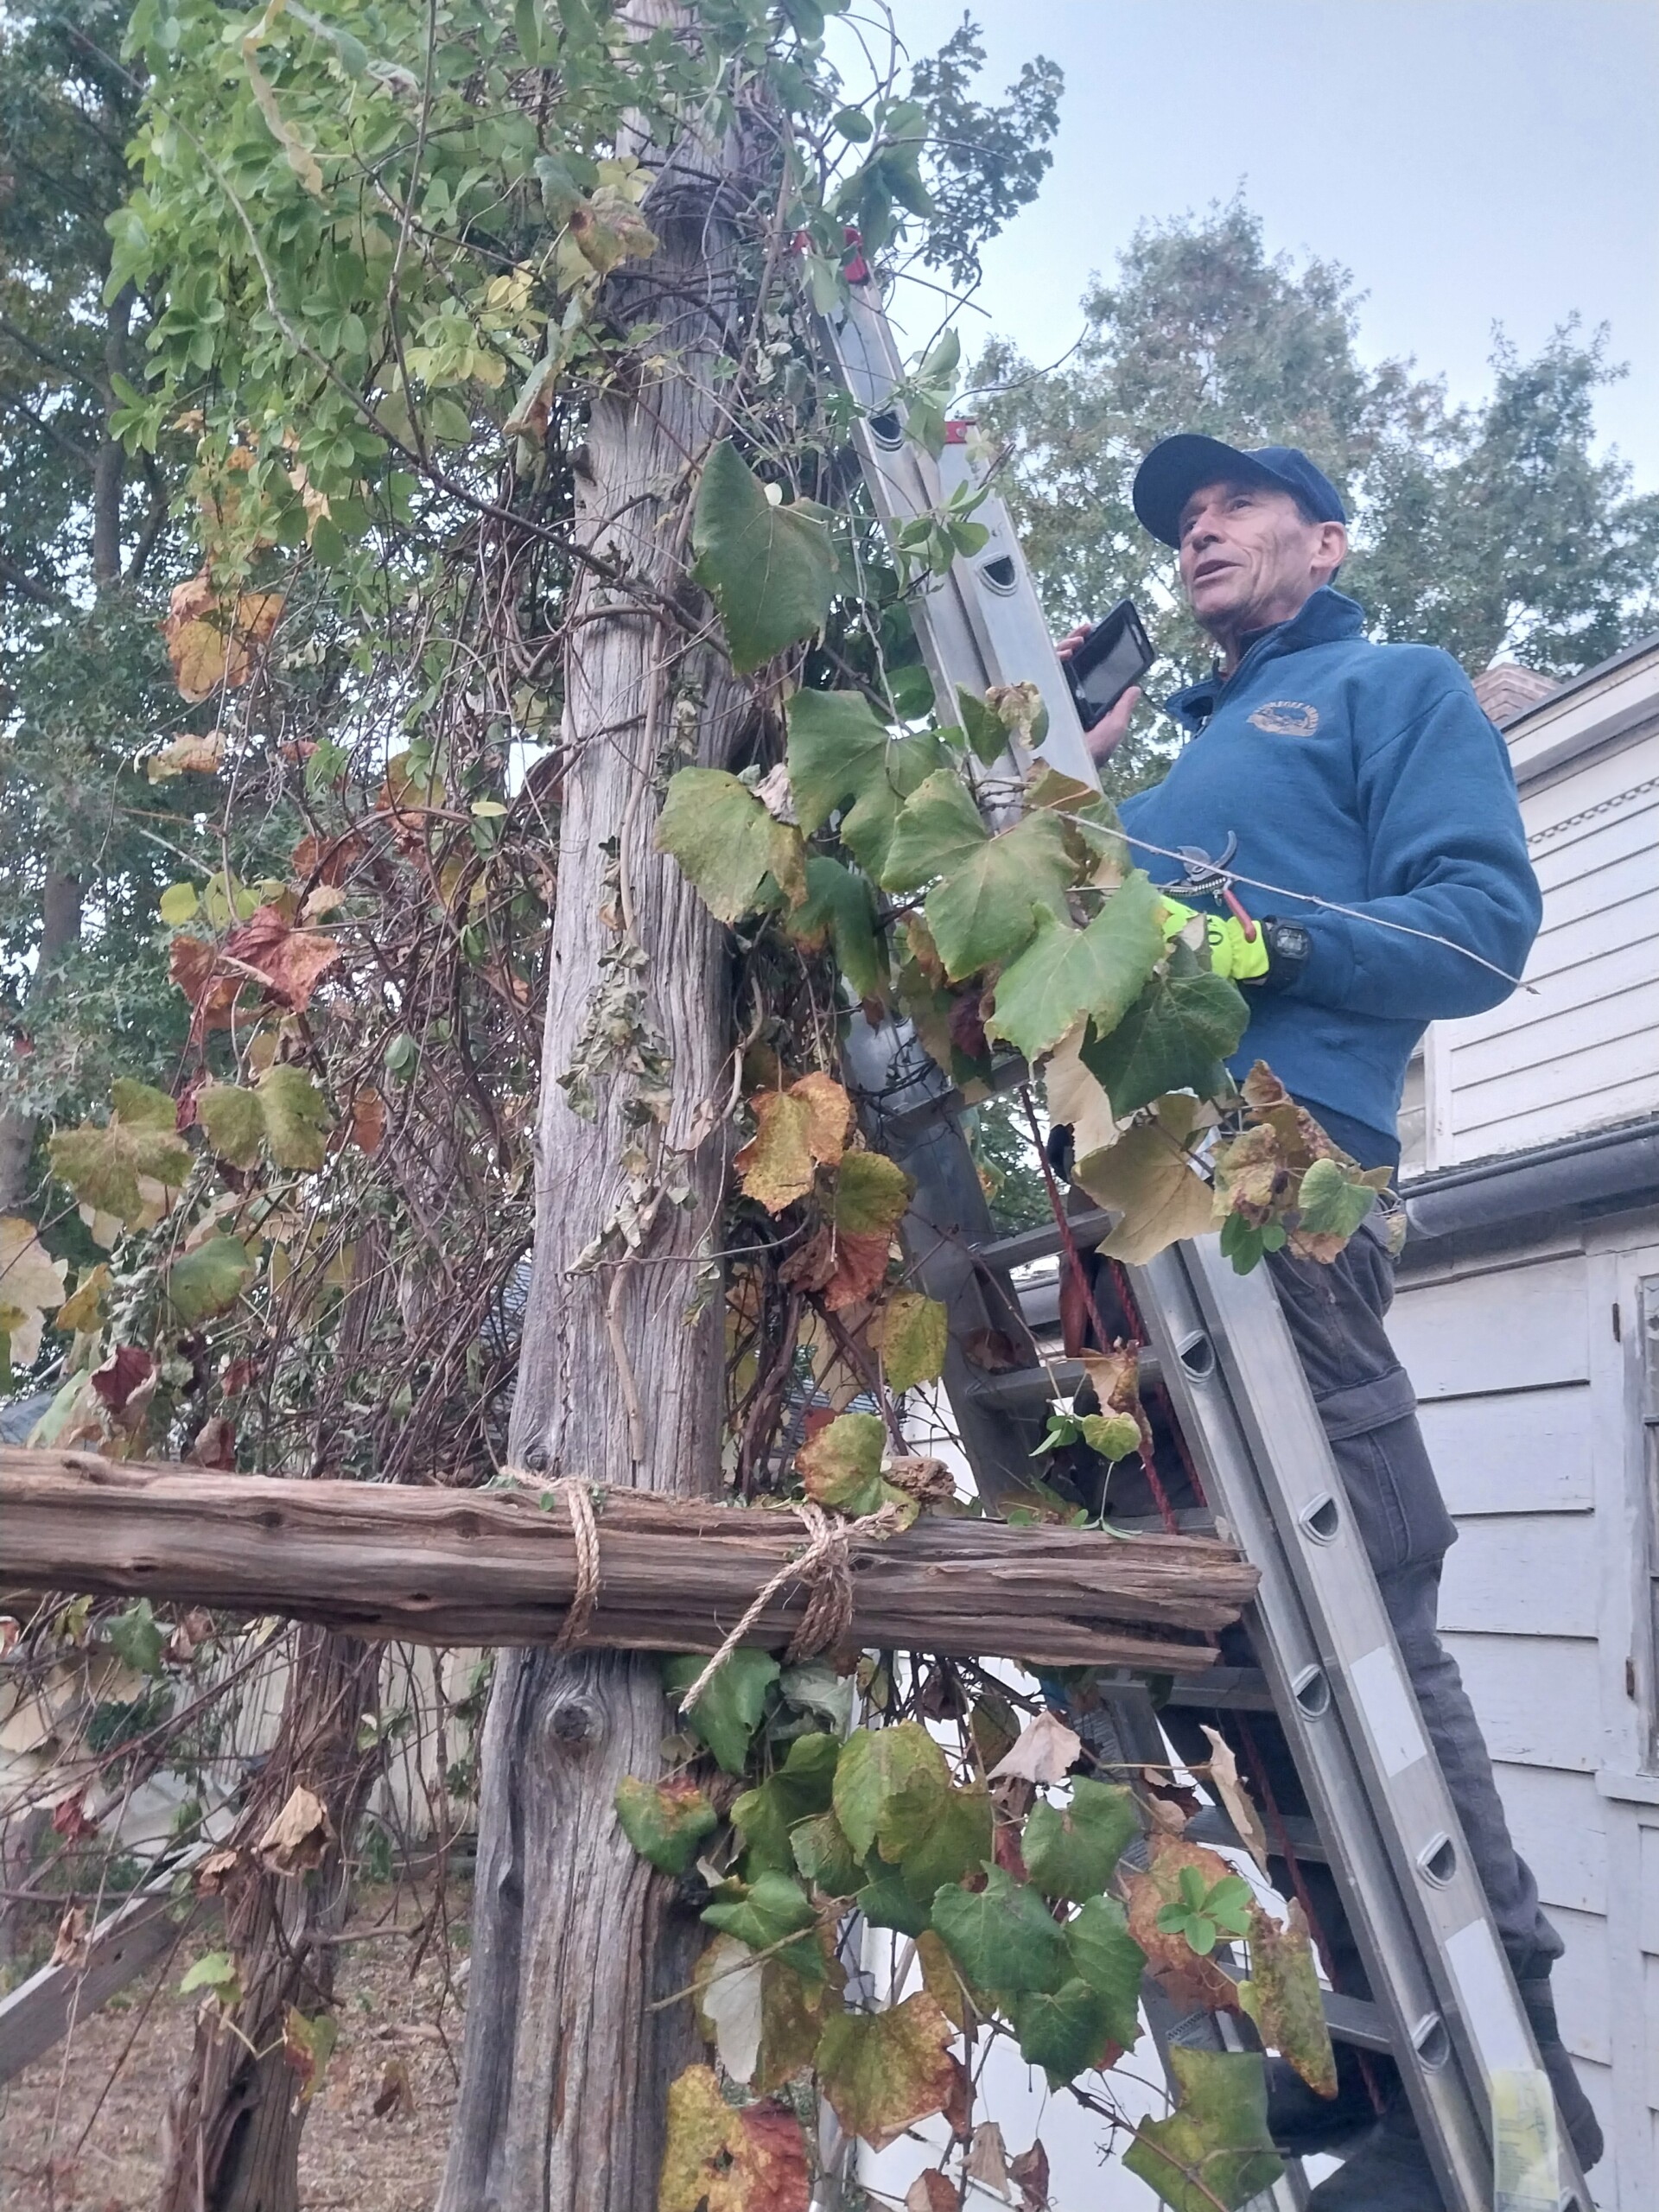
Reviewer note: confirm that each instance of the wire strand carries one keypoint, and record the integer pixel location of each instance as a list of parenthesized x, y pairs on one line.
[(1308, 899)]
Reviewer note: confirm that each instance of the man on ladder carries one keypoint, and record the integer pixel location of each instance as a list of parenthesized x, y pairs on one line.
[(1344, 818)]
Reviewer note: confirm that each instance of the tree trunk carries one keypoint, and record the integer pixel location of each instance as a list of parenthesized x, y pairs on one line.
[(60, 902), (232, 2128), (109, 465), (565, 2070)]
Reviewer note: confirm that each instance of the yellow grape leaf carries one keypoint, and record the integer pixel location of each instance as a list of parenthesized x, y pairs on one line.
[(85, 1309), (1282, 1996), (832, 1116), (912, 1331), (1148, 1177), (776, 1166), (884, 2071), (721, 2160), (31, 1280), (872, 1194), (212, 638), (203, 755)]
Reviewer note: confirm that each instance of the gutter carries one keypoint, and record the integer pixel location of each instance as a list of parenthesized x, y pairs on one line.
[(1581, 1172)]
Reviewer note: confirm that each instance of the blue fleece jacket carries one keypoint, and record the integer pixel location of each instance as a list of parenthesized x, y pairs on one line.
[(1368, 775)]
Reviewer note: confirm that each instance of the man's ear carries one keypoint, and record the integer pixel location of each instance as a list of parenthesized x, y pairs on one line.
[(1333, 550)]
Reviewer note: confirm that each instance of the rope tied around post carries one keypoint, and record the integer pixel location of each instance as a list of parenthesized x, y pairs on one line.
[(577, 1498), (824, 1570)]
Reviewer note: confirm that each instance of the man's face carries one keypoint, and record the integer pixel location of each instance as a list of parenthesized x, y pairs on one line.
[(1249, 558)]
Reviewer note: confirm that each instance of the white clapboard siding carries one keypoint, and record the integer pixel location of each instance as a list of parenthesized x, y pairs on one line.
[(1578, 1051), (1492, 1586), (1509, 1328), (1580, 1983), (1560, 1824), (1538, 1697), (1522, 1451)]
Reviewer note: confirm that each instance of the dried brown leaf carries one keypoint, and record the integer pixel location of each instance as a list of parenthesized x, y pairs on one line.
[(299, 1835), (1046, 1751)]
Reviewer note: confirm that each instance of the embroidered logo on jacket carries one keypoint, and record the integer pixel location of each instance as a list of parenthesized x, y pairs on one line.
[(1286, 718)]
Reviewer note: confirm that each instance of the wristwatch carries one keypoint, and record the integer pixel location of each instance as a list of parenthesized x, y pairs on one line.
[(1288, 945)]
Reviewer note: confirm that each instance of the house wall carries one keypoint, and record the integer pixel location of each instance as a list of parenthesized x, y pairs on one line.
[(1577, 1050), (1528, 1359)]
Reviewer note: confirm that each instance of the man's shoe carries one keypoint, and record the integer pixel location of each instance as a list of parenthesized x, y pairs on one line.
[(1303, 2123), (1388, 2172), (1578, 2115)]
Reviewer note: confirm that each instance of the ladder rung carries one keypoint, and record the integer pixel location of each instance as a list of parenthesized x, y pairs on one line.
[(1042, 1244), (1006, 1075), (1211, 1825), (1356, 2020), (1025, 1385), (1225, 1689)]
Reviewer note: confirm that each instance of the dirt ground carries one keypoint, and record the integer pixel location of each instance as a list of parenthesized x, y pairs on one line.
[(80, 2130)]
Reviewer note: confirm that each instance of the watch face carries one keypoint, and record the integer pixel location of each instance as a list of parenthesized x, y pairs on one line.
[(1290, 939)]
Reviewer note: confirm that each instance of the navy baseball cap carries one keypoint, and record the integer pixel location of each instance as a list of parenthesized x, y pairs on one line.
[(1177, 467)]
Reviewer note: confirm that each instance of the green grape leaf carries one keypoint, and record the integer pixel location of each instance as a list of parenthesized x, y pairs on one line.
[(773, 1909), (939, 828), (298, 1118), (728, 1713), (986, 908), (800, 1789), (837, 748), (1110, 1960), (738, 856), (914, 1332), (841, 1467), (770, 570), (889, 1901), (1065, 973), (1002, 1938), (1214, 2148), (941, 1844), (1113, 1435), (889, 1783), (984, 727), (822, 1852), (872, 1194), (882, 2072), (232, 1122), (207, 1281), (1176, 1037), (1067, 2031), (1334, 1202), (838, 909), (1072, 1850), (868, 826), (1282, 1996), (138, 1638), (665, 1821), (102, 1164)]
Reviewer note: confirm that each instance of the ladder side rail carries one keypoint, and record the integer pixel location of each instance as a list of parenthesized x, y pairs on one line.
[(981, 623), (1410, 1803), (1447, 2100)]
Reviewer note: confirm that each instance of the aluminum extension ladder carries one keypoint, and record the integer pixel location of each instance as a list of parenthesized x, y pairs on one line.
[(1444, 2004)]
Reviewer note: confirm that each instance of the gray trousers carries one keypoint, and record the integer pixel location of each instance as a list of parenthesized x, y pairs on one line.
[(1366, 1402)]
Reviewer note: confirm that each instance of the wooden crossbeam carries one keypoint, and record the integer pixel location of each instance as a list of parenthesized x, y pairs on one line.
[(465, 1566)]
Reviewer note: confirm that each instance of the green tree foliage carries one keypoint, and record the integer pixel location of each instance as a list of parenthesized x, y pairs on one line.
[(1488, 531)]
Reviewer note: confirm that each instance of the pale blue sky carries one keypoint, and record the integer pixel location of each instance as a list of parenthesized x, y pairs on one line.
[(1472, 162)]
